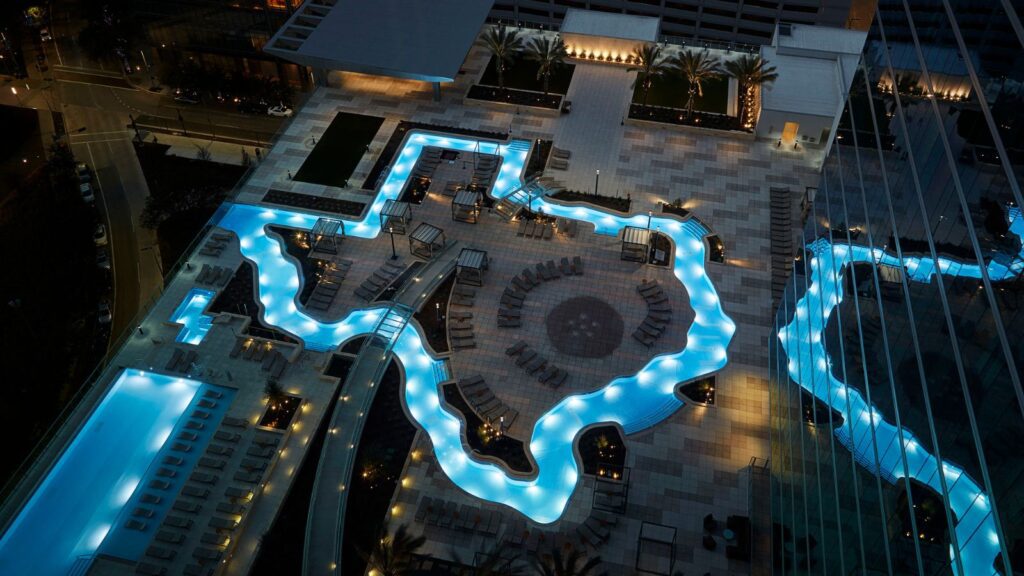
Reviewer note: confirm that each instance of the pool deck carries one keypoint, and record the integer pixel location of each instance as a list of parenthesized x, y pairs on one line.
[(692, 464)]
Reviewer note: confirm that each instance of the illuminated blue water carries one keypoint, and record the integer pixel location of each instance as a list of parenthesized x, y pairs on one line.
[(636, 402), (194, 324), (75, 506), (811, 367)]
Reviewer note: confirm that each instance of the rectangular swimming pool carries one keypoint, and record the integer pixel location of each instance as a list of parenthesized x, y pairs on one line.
[(74, 507)]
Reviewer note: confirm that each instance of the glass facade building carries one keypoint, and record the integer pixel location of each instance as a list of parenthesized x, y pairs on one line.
[(896, 402)]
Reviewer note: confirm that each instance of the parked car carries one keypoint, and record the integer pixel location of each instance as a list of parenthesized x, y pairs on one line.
[(280, 111), (100, 235), (86, 190), (44, 35), (186, 96), (84, 174), (103, 313), (252, 107), (103, 259)]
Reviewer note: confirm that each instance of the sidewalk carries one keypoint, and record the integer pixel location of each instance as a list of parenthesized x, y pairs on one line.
[(222, 152)]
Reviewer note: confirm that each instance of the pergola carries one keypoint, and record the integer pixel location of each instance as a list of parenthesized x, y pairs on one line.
[(656, 549), (635, 244), (425, 239), (325, 235), (470, 267), (466, 206), (395, 217)]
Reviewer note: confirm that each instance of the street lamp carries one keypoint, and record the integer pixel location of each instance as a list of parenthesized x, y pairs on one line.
[(597, 180), (391, 231)]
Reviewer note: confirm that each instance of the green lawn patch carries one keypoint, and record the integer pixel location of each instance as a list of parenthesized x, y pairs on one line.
[(672, 90), (521, 74), (338, 151)]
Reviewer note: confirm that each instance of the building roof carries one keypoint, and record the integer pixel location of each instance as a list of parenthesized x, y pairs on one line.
[(805, 85), (624, 26), (803, 37), (416, 40)]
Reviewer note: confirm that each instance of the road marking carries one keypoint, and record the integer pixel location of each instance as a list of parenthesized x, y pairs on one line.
[(101, 141), (57, 48), (95, 84)]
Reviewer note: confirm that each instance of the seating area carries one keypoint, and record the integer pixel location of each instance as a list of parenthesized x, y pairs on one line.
[(559, 159), (659, 313), (486, 405), (271, 360), (379, 280), (214, 275), (535, 229), (536, 365), (460, 330), (514, 295), (566, 227), (327, 285), (181, 361), (216, 244), (445, 514)]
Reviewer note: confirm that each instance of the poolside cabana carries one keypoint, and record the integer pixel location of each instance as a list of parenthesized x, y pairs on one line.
[(466, 206), (655, 549), (426, 239), (395, 217), (326, 235), (470, 267), (636, 244)]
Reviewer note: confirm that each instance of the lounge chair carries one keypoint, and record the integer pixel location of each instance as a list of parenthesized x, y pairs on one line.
[(151, 499), (552, 269), (231, 508), (204, 478), (456, 315), (135, 525), (558, 379), (522, 228), (577, 265), (643, 338), (195, 491), (535, 364), (253, 465), (188, 436), (521, 285), (514, 294), (560, 153), (516, 348), (170, 537), (511, 313), (464, 344), (565, 267), (525, 356), (530, 278), (226, 436), (158, 484), (509, 323), (211, 463), (187, 507), (543, 271), (178, 522), (222, 523), (546, 232), (161, 552), (424, 507), (558, 164), (509, 302), (236, 422)]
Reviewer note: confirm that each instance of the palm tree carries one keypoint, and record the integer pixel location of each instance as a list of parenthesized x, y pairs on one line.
[(548, 54), (648, 63), (558, 565), (698, 67), (391, 554), (504, 44), (497, 560), (750, 72)]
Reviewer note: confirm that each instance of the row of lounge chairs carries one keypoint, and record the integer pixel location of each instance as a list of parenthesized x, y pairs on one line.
[(446, 514), (379, 280), (490, 409), (485, 167), (214, 275), (659, 313), (559, 159), (216, 244), (567, 226), (535, 229), (427, 163), (196, 494), (537, 365), (460, 330), (271, 360), (327, 285), (181, 361)]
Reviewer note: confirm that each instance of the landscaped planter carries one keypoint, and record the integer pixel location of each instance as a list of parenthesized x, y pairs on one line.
[(576, 198), (676, 119), (509, 98)]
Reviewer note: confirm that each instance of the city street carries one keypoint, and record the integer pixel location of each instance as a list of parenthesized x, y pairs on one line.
[(98, 105)]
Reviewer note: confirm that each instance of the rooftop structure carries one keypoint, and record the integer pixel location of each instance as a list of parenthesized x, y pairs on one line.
[(383, 37)]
